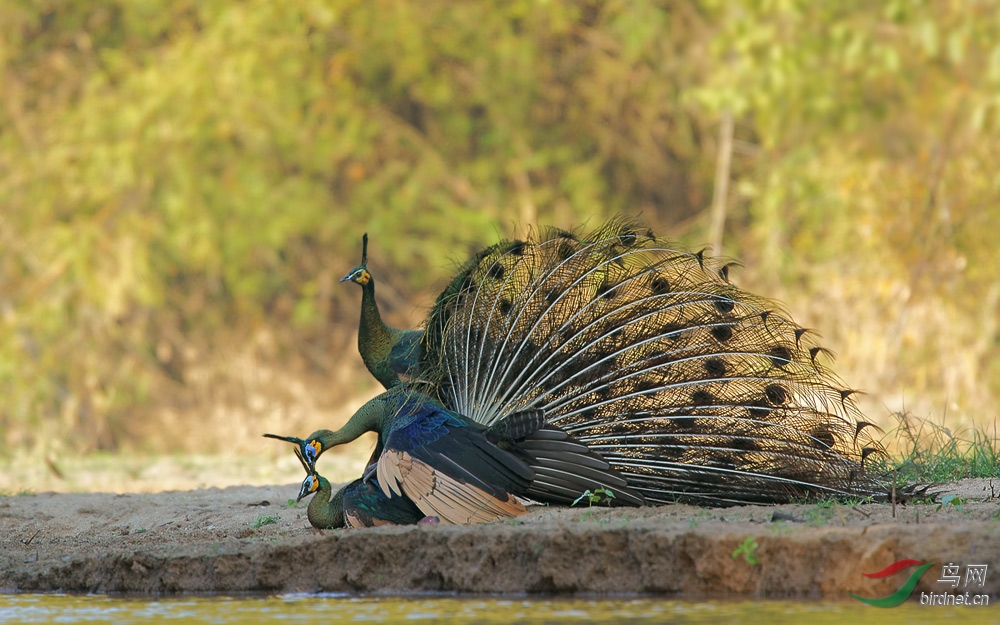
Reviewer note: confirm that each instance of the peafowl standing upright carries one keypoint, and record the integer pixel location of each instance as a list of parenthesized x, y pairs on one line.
[(387, 352)]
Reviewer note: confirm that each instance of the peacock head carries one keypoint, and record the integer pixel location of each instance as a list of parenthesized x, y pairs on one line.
[(359, 274), (309, 486), (307, 449)]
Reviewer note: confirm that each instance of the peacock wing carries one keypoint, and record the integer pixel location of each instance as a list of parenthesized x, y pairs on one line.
[(450, 469), (365, 505), (438, 494)]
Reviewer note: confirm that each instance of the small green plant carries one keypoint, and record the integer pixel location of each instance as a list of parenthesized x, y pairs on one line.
[(952, 500), (291, 503), (599, 495), (748, 549), (262, 520)]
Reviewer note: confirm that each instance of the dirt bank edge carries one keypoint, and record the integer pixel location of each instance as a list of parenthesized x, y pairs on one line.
[(207, 543)]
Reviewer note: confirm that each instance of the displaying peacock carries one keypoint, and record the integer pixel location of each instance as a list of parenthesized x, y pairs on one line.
[(690, 387), (387, 352)]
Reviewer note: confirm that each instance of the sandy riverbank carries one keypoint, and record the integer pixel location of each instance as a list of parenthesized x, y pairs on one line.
[(247, 539)]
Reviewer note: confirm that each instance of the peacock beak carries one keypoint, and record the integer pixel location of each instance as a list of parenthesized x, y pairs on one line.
[(307, 488)]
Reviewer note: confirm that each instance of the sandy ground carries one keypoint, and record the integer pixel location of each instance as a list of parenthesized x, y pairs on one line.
[(249, 539)]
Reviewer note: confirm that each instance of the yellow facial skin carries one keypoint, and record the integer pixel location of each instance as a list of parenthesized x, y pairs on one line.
[(359, 275), (316, 446), (309, 486)]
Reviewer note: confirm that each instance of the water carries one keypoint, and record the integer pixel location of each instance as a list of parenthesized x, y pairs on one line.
[(302, 609)]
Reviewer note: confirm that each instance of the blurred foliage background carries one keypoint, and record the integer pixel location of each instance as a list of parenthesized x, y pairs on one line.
[(183, 182)]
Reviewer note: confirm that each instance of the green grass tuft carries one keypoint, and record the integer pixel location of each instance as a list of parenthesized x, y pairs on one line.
[(264, 520), (931, 452)]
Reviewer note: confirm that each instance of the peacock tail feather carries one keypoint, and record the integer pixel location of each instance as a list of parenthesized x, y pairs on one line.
[(688, 386)]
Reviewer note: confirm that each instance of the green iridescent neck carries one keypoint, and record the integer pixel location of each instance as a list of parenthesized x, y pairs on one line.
[(374, 416), (324, 512), (376, 339)]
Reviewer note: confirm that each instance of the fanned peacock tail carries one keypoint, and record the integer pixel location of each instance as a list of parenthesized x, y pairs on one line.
[(690, 387)]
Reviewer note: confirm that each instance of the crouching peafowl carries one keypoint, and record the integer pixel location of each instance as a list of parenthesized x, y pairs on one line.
[(357, 504)]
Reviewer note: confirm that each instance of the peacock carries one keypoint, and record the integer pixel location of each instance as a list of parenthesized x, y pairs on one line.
[(357, 504), (690, 387), (464, 472), (678, 385), (387, 352)]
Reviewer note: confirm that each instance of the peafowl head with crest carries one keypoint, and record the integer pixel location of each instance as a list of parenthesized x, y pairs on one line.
[(308, 449), (360, 275), (311, 484)]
